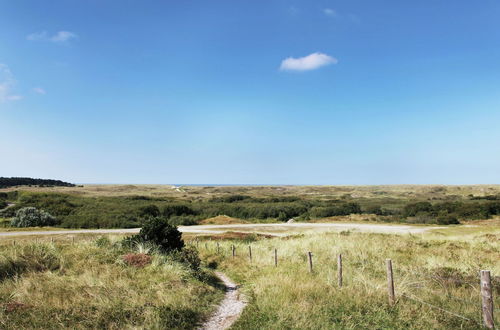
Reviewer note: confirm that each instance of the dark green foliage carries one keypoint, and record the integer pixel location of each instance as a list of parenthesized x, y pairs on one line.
[(177, 209), (447, 219), (149, 211), (3, 204), (188, 256), (177, 318), (183, 220), (11, 182), (32, 217), (159, 232)]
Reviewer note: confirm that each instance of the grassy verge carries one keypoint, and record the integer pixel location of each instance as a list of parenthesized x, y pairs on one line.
[(439, 271), (87, 284)]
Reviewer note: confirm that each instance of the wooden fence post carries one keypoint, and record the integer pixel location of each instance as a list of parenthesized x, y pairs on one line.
[(218, 247), (14, 242), (339, 268), (487, 299), (234, 250), (309, 255), (390, 282), (250, 252), (275, 258)]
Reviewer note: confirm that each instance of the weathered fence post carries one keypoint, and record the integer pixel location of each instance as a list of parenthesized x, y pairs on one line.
[(234, 250), (206, 246), (197, 242), (14, 242), (339, 269), (390, 282), (275, 258), (218, 247), (487, 299), (250, 252), (309, 255)]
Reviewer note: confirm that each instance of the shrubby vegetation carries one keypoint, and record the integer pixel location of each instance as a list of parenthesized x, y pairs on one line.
[(32, 217), (74, 211), (161, 234)]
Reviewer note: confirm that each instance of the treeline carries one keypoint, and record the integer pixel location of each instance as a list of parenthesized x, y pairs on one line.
[(74, 211), (12, 182)]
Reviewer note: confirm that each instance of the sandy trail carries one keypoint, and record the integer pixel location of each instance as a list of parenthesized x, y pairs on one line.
[(229, 309), (278, 229)]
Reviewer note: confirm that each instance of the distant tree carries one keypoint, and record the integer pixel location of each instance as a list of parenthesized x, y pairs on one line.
[(11, 182), (32, 217)]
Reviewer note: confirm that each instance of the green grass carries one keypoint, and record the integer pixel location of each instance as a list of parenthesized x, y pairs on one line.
[(87, 285), (440, 271)]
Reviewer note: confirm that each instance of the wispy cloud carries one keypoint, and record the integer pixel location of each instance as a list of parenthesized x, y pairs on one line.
[(310, 62), (7, 83), (58, 37), (39, 90), (330, 12)]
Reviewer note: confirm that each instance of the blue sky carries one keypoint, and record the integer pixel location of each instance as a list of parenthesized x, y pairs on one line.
[(251, 92)]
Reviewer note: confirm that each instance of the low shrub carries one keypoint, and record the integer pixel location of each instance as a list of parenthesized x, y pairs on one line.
[(139, 260), (188, 256), (32, 217), (159, 232)]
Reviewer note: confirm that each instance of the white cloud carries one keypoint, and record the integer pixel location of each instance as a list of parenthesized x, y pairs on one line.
[(330, 12), (59, 37), (7, 83), (309, 62), (39, 90), (63, 36), (42, 35)]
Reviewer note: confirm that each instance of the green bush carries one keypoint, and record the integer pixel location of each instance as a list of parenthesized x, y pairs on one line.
[(188, 256), (159, 232), (447, 219), (32, 217)]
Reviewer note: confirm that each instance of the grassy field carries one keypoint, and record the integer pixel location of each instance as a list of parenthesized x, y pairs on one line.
[(436, 268), (88, 284)]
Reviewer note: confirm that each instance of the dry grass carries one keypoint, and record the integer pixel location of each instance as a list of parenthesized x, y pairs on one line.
[(441, 271), (88, 285), (197, 192), (222, 220)]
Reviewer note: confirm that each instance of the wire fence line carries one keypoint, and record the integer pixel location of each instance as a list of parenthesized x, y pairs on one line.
[(360, 277)]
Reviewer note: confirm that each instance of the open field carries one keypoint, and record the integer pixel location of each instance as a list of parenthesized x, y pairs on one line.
[(437, 266), (189, 191), (429, 269)]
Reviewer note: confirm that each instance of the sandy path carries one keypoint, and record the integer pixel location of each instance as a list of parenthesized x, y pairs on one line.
[(278, 229), (229, 309)]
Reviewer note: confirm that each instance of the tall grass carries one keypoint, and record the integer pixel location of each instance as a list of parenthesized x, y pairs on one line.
[(88, 285), (441, 272)]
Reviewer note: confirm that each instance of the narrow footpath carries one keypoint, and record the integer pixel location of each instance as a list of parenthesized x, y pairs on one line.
[(229, 309)]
